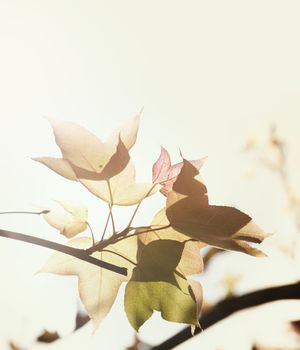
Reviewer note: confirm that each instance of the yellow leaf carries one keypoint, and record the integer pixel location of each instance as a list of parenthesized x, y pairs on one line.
[(94, 163), (98, 287), (79, 146), (127, 132), (191, 262), (70, 218), (123, 188), (87, 154), (59, 165)]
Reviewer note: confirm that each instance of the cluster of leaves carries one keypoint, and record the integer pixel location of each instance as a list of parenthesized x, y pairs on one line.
[(160, 257)]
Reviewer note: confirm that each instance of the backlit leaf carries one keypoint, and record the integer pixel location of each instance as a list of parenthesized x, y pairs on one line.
[(59, 165), (87, 157), (189, 212), (165, 174), (191, 261), (98, 287), (70, 218), (123, 188), (155, 283)]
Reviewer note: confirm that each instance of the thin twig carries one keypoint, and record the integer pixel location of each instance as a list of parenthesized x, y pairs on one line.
[(136, 233), (110, 207), (105, 227), (122, 235), (26, 212), (138, 206), (77, 253), (112, 219), (92, 233), (120, 255)]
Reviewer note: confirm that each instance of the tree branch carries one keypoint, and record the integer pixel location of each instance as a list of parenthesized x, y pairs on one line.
[(227, 307), (77, 253)]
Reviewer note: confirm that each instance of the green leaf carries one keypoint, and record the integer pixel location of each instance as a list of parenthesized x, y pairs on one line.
[(156, 285), (191, 262)]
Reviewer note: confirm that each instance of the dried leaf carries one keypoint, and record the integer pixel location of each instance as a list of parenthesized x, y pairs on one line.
[(189, 212), (81, 320), (48, 337)]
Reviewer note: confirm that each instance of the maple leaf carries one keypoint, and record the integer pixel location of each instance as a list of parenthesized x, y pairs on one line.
[(98, 287), (191, 262), (122, 188), (85, 155), (69, 218), (104, 169), (155, 282), (189, 212), (166, 174)]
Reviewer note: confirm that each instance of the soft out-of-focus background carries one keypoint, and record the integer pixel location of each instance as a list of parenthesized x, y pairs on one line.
[(213, 76)]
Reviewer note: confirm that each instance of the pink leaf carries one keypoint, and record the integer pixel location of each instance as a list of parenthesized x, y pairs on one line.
[(161, 167), (166, 174)]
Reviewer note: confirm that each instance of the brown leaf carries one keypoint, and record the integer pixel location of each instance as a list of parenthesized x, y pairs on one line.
[(48, 337), (81, 320), (189, 212)]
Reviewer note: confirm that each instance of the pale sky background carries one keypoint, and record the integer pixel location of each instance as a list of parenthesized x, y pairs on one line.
[(209, 74)]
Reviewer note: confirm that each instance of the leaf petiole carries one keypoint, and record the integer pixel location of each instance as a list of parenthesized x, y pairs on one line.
[(121, 256), (138, 205), (105, 227), (25, 212), (92, 233), (110, 207)]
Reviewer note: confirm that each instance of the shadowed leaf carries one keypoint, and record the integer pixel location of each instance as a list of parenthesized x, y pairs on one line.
[(191, 261), (189, 212), (86, 156), (124, 188), (81, 320), (166, 174), (155, 282)]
